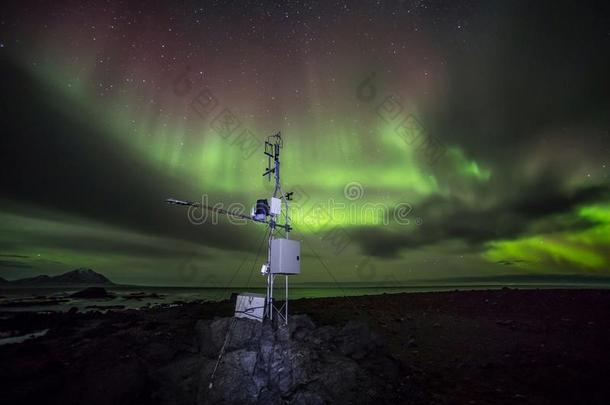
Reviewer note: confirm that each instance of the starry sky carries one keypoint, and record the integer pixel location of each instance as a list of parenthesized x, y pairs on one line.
[(423, 141)]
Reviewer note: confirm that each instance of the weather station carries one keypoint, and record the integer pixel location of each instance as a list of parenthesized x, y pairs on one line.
[(283, 253)]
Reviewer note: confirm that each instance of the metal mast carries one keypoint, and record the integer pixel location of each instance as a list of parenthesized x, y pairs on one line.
[(273, 146), (283, 254)]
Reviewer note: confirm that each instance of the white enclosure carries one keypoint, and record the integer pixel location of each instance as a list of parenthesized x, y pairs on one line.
[(250, 305), (276, 206), (285, 256)]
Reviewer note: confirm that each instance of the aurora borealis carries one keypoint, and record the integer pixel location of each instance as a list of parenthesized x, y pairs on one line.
[(500, 167)]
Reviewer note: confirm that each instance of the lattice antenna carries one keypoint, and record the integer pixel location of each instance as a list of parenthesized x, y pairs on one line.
[(273, 145)]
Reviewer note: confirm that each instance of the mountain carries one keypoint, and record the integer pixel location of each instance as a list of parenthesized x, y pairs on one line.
[(80, 276), (83, 276), (3, 281)]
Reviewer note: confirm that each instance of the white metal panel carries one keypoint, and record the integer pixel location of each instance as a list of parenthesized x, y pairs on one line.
[(276, 206), (285, 256), (250, 306)]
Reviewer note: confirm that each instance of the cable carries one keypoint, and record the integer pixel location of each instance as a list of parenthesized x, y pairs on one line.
[(239, 269), (234, 275), (247, 312), (230, 329), (222, 351), (349, 299), (260, 245)]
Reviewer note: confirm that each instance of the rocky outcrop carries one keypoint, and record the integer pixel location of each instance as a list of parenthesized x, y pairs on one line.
[(299, 364)]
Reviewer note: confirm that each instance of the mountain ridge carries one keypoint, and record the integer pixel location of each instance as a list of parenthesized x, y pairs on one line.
[(80, 276)]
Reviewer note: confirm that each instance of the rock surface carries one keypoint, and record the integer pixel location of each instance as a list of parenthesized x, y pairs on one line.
[(496, 347), (298, 364)]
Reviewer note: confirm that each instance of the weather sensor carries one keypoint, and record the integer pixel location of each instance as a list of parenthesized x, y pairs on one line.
[(283, 253)]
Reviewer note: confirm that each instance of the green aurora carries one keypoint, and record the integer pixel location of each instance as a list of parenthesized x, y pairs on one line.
[(473, 212)]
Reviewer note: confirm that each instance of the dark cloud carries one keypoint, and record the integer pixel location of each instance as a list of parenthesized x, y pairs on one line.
[(16, 256), (12, 264), (543, 206), (518, 88), (545, 196), (524, 68), (61, 163), (102, 244)]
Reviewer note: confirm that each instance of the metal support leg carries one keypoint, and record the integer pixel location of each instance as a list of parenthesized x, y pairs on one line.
[(286, 302), (271, 298), (266, 311)]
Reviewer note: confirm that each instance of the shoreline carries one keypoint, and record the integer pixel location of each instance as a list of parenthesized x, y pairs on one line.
[(487, 346), (62, 298)]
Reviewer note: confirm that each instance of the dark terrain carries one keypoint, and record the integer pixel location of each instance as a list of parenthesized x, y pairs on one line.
[(489, 347), (81, 276)]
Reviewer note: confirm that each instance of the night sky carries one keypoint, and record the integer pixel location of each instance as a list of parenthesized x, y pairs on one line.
[(423, 140)]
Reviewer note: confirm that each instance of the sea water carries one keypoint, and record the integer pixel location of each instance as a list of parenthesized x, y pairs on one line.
[(124, 297)]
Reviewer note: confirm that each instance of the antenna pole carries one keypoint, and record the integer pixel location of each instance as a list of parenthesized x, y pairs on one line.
[(273, 146), (269, 216)]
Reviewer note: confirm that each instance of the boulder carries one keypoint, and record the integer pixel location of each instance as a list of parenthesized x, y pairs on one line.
[(299, 364)]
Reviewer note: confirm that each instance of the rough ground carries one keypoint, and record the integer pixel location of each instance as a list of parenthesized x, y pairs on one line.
[(301, 364), (492, 347)]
